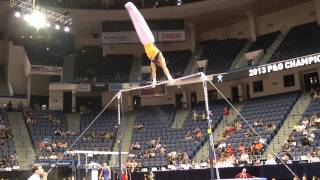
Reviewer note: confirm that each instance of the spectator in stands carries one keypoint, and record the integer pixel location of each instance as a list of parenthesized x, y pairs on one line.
[(57, 133), (291, 141), (186, 165), (229, 150), (140, 126), (44, 107), (162, 151), (197, 134), (188, 136), (310, 136), (248, 134), (20, 106), (299, 128), (203, 164), (313, 94), (258, 148), (158, 144), (54, 146), (185, 158), (258, 123), (9, 106), (305, 122), (318, 152), (194, 115), (4, 107), (149, 176), (238, 125), (271, 127), (135, 146), (226, 114), (255, 123), (210, 114), (309, 157), (172, 165), (173, 156), (62, 145), (28, 120), (314, 120), (222, 146), (286, 147), (263, 141), (89, 136), (287, 157), (231, 161), (107, 135), (244, 158), (270, 160), (241, 148), (203, 116), (152, 143), (229, 131)]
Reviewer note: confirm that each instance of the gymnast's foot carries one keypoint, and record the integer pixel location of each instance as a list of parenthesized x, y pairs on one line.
[(171, 80), (153, 84)]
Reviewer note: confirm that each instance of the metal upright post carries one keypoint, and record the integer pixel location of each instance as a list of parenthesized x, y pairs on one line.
[(211, 145), (78, 168), (119, 131), (87, 166)]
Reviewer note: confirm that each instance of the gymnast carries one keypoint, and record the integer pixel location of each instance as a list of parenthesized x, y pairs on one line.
[(147, 39)]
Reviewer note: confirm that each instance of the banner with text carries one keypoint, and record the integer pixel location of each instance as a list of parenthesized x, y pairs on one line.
[(119, 37), (115, 87), (128, 37), (284, 65), (171, 36), (83, 87)]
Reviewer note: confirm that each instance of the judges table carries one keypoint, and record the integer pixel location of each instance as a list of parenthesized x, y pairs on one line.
[(266, 171)]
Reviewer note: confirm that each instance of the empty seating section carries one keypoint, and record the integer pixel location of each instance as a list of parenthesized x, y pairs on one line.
[(267, 110), (90, 66), (220, 54), (300, 40), (156, 124), (176, 61), (38, 53), (8, 156), (100, 136), (301, 149), (42, 126), (264, 42)]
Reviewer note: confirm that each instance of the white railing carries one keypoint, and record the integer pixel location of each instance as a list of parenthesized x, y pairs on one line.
[(11, 93), (27, 66)]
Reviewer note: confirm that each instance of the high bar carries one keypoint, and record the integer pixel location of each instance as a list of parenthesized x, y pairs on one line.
[(162, 82)]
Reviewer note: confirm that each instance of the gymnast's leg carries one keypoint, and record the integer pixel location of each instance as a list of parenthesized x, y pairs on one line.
[(163, 65), (153, 73)]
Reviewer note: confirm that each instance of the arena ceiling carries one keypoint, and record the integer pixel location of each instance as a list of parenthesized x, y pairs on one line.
[(227, 13), (204, 15), (4, 15)]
